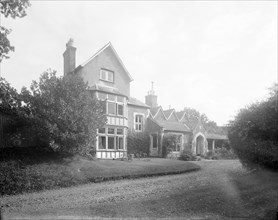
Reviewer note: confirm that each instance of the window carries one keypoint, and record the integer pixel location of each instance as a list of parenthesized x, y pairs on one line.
[(111, 138), (111, 108), (138, 122), (120, 143), (111, 97), (111, 142), (120, 110), (111, 131), (120, 131), (114, 104), (154, 140), (101, 142), (101, 131), (102, 96), (177, 146), (107, 75)]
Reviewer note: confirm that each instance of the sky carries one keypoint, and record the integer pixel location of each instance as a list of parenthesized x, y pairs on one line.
[(214, 56)]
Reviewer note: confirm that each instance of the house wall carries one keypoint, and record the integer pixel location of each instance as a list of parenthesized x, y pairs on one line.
[(91, 75), (91, 72), (132, 110)]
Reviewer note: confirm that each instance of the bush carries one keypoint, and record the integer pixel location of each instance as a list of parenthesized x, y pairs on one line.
[(65, 114), (253, 134), (187, 155), (223, 153), (210, 155), (138, 143), (170, 143)]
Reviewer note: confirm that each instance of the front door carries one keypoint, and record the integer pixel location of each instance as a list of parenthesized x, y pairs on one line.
[(199, 145), (154, 145)]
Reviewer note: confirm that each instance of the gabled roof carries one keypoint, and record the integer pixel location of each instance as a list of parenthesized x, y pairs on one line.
[(136, 102), (158, 111), (116, 55), (180, 115), (173, 126), (154, 111), (168, 112), (173, 117)]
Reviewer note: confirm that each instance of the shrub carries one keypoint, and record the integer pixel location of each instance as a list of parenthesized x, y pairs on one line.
[(211, 155), (170, 143), (187, 155), (64, 113), (224, 153), (253, 134), (138, 143)]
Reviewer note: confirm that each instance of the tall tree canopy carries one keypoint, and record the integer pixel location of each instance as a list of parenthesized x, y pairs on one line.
[(67, 114), (13, 9)]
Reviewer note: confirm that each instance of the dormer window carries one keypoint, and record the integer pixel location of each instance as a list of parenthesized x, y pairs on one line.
[(107, 75)]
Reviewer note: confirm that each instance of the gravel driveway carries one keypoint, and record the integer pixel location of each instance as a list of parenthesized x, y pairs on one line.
[(210, 193)]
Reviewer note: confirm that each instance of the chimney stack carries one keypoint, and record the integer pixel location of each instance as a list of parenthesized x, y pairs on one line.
[(69, 57), (151, 98)]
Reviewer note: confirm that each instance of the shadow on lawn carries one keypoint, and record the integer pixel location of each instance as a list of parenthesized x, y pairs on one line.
[(258, 191)]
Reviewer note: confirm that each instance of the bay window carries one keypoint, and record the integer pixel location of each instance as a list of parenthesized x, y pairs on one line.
[(111, 138)]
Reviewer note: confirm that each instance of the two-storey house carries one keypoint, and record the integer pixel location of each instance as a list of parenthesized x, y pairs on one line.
[(109, 80)]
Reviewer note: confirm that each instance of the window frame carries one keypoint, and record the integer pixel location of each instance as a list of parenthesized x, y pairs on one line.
[(117, 101), (116, 138), (106, 72), (138, 124)]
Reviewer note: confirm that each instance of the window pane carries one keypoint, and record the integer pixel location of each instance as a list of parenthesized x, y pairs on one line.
[(110, 76), (111, 142), (120, 131), (101, 142), (101, 96), (111, 97), (111, 131), (120, 99), (120, 143), (101, 130), (102, 74), (111, 108), (120, 109), (178, 147), (154, 140)]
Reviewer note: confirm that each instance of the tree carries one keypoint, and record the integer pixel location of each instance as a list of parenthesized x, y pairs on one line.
[(66, 114), (14, 112), (13, 9), (253, 134), (193, 117)]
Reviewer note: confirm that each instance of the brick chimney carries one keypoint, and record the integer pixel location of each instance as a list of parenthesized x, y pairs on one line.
[(151, 98), (69, 57)]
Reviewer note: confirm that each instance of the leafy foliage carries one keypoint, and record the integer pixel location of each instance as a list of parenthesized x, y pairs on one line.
[(64, 113), (13, 9), (138, 143), (253, 133), (169, 143), (13, 113), (187, 155), (193, 116)]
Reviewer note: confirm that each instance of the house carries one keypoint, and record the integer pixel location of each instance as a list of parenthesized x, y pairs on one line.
[(109, 80)]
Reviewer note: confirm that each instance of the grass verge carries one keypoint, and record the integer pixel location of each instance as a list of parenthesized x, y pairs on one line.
[(17, 177)]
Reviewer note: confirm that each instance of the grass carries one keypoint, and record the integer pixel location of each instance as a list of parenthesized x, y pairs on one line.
[(18, 176)]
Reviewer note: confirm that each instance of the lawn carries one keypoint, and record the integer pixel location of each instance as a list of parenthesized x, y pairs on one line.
[(18, 177)]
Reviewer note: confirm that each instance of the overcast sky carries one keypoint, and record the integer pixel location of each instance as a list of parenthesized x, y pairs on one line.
[(214, 56)]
